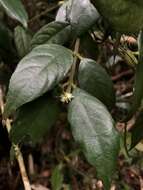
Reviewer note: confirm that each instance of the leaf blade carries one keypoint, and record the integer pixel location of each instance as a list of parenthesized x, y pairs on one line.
[(16, 10), (80, 14), (138, 84), (57, 178), (54, 32), (136, 130), (34, 120), (95, 80), (37, 73), (22, 40), (93, 129)]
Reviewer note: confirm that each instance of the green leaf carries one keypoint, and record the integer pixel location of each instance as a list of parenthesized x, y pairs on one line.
[(137, 131), (34, 120), (138, 84), (93, 128), (118, 14), (57, 178), (16, 10), (43, 68), (89, 47), (22, 40), (54, 32), (80, 14), (94, 79), (5, 38), (7, 51)]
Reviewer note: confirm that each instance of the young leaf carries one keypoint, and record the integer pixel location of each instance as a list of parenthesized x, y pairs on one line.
[(94, 79), (138, 84), (34, 120), (22, 40), (57, 178), (80, 14), (93, 128), (136, 131), (38, 72), (54, 32), (16, 10)]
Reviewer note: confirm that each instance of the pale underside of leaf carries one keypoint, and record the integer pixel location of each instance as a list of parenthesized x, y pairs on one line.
[(81, 14)]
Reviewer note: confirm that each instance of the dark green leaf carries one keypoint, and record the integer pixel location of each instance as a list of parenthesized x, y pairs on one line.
[(89, 47), (54, 32), (137, 130), (7, 52), (93, 128), (43, 68), (138, 84), (22, 40), (119, 14), (80, 14), (15, 9), (94, 79), (34, 120), (57, 178), (5, 38)]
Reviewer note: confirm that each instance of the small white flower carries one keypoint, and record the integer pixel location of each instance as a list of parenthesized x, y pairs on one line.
[(66, 97)]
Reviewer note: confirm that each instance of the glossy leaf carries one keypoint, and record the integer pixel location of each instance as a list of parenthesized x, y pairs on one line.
[(57, 178), (38, 72), (34, 120), (94, 79), (81, 14), (138, 84), (93, 128), (16, 10), (54, 32), (22, 40), (136, 131)]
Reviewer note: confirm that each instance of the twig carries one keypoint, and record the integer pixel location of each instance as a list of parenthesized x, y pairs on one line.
[(31, 165), (73, 69), (75, 184), (23, 172), (17, 151), (125, 141), (122, 74), (49, 9), (141, 183)]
